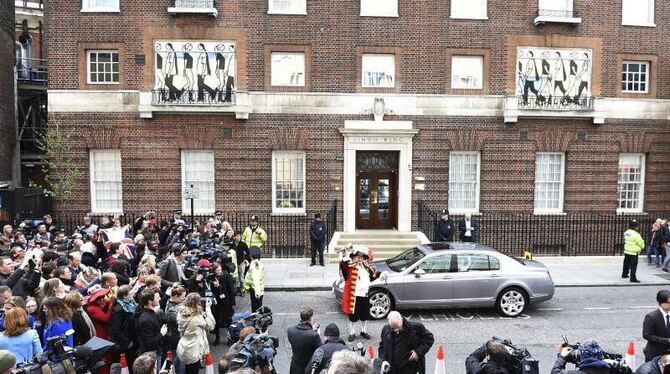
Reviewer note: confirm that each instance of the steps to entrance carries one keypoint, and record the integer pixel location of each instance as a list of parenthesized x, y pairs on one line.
[(384, 243)]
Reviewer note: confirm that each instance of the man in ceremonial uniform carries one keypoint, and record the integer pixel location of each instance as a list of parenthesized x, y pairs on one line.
[(358, 274)]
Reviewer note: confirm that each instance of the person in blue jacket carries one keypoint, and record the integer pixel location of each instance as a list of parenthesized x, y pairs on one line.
[(58, 322)]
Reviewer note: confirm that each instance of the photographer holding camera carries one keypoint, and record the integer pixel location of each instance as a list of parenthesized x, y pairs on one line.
[(195, 322), (491, 358), (304, 338), (588, 358), (656, 366)]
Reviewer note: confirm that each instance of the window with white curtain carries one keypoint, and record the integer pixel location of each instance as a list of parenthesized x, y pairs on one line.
[(379, 8), (378, 70), (197, 170), (106, 185), (558, 8), (100, 5), (288, 182), (287, 69), (467, 72), (464, 182), (287, 6), (637, 12), (468, 9), (549, 180), (631, 183)]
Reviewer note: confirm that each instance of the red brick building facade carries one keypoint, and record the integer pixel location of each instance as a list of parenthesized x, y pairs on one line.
[(149, 135), (7, 91)]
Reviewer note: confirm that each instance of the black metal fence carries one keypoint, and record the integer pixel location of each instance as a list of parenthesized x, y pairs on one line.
[(23, 202), (288, 235), (572, 234)]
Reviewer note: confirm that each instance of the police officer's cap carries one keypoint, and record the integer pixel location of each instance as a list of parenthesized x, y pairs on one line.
[(633, 224), (445, 211), (176, 211), (255, 252), (254, 218), (218, 213)]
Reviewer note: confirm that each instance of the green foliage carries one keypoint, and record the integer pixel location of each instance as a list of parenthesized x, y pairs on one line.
[(59, 167)]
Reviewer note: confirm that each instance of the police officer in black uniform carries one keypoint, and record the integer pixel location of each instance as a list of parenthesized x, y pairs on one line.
[(445, 227)]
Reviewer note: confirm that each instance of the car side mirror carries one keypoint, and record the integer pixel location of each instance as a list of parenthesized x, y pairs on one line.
[(419, 272)]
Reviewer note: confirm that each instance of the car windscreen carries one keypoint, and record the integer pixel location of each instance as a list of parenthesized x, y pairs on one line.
[(405, 259)]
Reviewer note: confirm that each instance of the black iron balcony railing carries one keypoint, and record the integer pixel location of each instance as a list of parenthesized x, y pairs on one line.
[(31, 70), (568, 103), (562, 13), (193, 97)]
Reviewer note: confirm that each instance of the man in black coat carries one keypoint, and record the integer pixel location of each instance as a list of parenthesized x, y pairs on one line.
[(445, 228), (317, 235), (323, 354), (171, 270), (405, 344), (656, 328), (304, 341), (148, 322), (655, 366)]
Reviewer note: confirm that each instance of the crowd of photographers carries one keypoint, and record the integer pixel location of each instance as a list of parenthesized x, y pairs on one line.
[(147, 287)]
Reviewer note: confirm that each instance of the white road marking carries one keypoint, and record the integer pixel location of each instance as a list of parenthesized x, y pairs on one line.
[(551, 309), (598, 308), (644, 307)]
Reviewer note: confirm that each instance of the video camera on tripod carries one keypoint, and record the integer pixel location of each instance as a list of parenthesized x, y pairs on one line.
[(258, 350), (60, 359)]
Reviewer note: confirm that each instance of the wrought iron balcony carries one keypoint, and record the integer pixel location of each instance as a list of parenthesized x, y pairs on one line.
[(555, 107), (195, 102), (557, 16), (31, 71), (194, 7)]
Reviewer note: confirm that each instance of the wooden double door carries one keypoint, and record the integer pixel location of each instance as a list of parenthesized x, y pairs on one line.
[(376, 190)]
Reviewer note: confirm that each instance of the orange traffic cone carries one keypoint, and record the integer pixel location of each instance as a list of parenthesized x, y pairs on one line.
[(371, 352), (440, 367), (209, 363), (124, 364), (630, 356)]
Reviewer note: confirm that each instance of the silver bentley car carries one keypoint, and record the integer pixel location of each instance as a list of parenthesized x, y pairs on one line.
[(456, 275)]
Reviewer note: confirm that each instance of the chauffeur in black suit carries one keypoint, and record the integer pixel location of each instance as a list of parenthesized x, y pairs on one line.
[(656, 327)]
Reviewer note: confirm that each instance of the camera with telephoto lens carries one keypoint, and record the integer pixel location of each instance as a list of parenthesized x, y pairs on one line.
[(519, 360), (260, 320), (258, 350), (616, 361)]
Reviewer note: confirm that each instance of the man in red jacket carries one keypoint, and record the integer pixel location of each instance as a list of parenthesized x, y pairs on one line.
[(358, 274)]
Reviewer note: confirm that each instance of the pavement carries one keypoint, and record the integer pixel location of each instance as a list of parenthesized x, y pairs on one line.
[(584, 271)]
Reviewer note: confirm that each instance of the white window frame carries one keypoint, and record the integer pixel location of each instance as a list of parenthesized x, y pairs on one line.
[(186, 204), (273, 70), (395, 78), (86, 7), (646, 73), (481, 73), (91, 156), (640, 209), (561, 192), (650, 22), (301, 9), (290, 154), (88, 64), (454, 11), (452, 208), (369, 11), (568, 5)]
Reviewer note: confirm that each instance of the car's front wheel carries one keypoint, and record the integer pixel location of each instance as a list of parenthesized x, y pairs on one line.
[(511, 302), (380, 304)]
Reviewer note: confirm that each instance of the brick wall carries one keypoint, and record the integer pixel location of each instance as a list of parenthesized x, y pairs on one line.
[(424, 32), (150, 151), (6, 89)]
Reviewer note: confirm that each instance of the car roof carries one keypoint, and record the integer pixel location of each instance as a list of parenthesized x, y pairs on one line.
[(455, 246)]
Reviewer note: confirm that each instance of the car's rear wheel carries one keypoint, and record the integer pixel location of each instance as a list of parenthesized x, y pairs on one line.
[(511, 302), (380, 304)]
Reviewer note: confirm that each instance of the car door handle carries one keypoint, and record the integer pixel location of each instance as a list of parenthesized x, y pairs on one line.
[(446, 277), (495, 275)]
